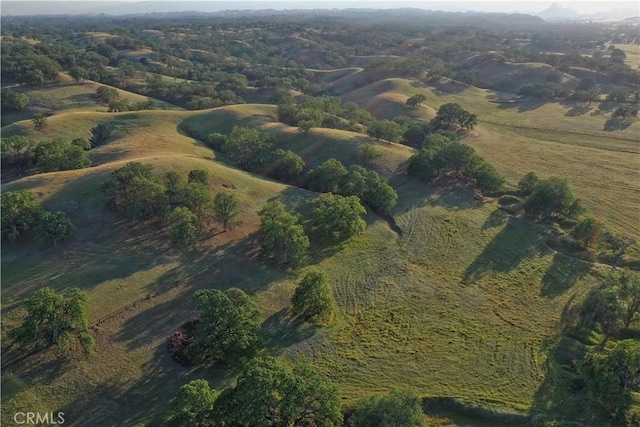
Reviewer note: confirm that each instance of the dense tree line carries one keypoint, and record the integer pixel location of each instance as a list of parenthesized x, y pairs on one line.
[(45, 156), (252, 149)]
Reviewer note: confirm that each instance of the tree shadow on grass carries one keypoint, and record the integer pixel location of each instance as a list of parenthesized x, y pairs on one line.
[(157, 319), (281, 330), (517, 241), (449, 87), (496, 218), (562, 274), (578, 110), (454, 197), (523, 106), (145, 401)]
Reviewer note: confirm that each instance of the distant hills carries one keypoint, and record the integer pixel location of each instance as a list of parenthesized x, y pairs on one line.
[(554, 13), (559, 13)]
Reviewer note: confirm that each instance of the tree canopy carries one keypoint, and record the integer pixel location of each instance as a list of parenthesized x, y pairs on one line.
[(227, 330), (612, 375), (53, 227), (415, 100), (399, 408), (226, 207), (20, 210), (135, 192), (13, 101), (384, 129), (55, 319), (184, 227), (283, 238), (270, 392), (550, 199), (615, 305), (312, 299), (339, 217), (193, 405), (452, 116)]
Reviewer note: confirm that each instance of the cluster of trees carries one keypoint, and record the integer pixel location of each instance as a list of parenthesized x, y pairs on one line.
[(325, 111), (552, 200), (111, 97), (610, 372), (46, 156), (184, 204), (12, 100), (253, 150), (450, 119), (272, 392), (333, 177), (55, 320), (614, 307), (548, 199), (591, 235), (22, 211), (28, 64), (611, 376), (268, 392), (250, 148), (443, 156), (283, 238)]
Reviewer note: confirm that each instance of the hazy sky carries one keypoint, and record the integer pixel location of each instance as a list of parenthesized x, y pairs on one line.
[(530, 6)]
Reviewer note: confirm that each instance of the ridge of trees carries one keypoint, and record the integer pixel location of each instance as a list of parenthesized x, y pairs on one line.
[(46, 156)]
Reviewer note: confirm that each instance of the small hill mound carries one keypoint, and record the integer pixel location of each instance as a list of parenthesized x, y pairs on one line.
[(509, 76)]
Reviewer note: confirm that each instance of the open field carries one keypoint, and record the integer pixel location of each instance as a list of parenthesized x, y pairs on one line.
[(633, 54)]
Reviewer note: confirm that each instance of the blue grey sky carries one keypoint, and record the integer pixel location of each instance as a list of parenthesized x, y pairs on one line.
[(530, 6)]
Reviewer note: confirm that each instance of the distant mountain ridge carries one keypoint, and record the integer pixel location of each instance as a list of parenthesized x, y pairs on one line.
[(555, 12), (559, 13)]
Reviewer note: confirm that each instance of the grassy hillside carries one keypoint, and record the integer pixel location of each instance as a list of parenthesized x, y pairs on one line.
[(67, 95), (545, 138), (462, 303)]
